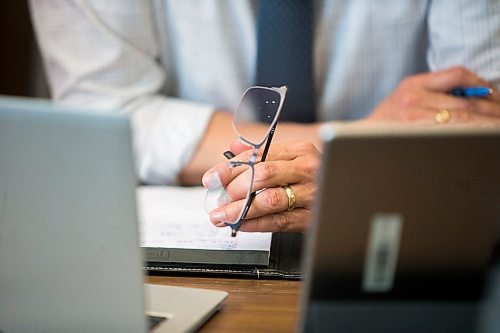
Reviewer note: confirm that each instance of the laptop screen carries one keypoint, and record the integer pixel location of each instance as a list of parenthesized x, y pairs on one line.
[(69, 250), (403, 216)]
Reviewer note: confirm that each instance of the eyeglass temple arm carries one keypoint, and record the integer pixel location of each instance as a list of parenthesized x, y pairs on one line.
[(268, 143), (229, 154)]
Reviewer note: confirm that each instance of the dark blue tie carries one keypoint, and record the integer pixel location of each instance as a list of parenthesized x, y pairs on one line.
[(284, 54)]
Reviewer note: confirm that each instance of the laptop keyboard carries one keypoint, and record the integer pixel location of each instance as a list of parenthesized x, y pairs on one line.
[(154, 321)]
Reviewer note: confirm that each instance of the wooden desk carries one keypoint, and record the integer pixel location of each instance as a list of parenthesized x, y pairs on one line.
[(252, 305)]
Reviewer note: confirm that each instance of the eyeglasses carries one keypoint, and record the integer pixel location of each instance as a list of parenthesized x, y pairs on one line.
[(265, 102)]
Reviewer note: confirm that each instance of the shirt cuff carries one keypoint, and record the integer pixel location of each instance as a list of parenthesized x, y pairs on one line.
[(166, 132)]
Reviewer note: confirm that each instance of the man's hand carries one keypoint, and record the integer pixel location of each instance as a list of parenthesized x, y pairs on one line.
[(420, 97), (294, 164)]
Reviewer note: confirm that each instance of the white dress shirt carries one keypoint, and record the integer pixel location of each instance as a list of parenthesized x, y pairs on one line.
[(170, 63)]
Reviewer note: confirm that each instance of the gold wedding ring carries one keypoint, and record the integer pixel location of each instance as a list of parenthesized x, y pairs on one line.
[(292, 200), (442, 116)]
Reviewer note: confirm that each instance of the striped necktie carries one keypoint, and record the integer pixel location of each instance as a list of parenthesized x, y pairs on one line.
[(284, 54)]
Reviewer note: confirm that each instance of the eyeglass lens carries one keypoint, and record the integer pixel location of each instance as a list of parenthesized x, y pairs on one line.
[(217, 195), (257, 102)]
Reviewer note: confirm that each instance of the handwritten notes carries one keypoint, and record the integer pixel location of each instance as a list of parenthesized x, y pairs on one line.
[(174, 217)]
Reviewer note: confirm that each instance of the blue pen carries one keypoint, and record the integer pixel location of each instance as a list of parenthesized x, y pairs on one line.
[(472, 91)]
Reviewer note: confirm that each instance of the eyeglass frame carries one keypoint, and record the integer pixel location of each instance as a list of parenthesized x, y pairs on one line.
[(267, 138)]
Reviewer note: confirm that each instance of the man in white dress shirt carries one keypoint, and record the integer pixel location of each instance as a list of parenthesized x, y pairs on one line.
[(179, 67)]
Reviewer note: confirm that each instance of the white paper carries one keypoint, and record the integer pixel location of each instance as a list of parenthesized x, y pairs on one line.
[(174, 217)]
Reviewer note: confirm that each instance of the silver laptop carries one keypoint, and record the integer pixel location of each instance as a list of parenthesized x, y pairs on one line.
[(69, 251), (403, 230)]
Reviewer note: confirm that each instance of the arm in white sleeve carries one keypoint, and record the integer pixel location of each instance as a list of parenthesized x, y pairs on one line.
[(466, 33), (101, 55)]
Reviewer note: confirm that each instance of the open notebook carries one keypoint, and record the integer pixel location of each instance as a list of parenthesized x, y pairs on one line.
[(177, 236), (174, 228)]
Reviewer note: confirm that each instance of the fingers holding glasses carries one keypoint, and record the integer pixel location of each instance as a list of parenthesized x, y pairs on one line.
[(285, 164), (266, 202), (285, 185), (270, 201)]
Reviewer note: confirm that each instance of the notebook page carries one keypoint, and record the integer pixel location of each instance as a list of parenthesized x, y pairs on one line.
[(174, 217)]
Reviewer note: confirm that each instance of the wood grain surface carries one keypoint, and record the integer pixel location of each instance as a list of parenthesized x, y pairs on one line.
[(252, 305)]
